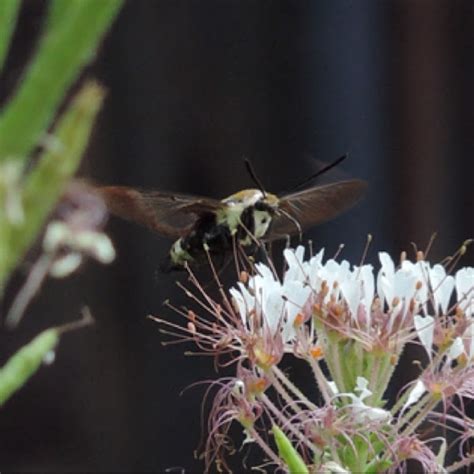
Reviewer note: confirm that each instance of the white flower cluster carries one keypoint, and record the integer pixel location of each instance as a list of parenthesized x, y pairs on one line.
[(428, 287)]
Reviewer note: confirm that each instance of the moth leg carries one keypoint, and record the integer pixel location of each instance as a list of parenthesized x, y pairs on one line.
[(250, 234), (266, 252)]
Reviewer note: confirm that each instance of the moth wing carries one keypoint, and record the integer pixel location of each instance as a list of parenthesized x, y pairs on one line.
[(168, 214), (314, 206)]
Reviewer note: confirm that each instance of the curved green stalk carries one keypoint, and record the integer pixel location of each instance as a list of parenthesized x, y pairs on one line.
[(8, 14), (70, 41), (45, 183), (288, 453), (24, 363)]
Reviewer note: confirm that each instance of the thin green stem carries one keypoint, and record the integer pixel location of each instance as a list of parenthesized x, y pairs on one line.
[(401, 401), (321, 381), (333, 362), (292, 387), (281, 390), (8, 15), (264, 446), (345, 358), (380, 376), (419, 418)]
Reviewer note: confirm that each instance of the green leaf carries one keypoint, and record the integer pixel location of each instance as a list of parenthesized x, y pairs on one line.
[(24, 363), (75, 28), (288, 453), (45, 183), (8, 14)]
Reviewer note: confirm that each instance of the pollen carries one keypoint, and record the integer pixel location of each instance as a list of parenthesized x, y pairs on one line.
[(258, 386), (244, 276), (462, 359), (316, 352), (264, 359), (299, 320), (337, 310), (437, 389), (317, 310)]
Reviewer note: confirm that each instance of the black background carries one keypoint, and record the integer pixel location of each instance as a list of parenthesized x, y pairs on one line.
[(193, 87)]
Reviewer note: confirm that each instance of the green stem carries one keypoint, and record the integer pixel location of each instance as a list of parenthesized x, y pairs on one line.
[(386, 369), (24, 363), (45, 183), (288, 453), (321, 381), (281, 390), (8, 15), (67, 46), (292, 387), (283, 421), (419, 418), (333, 362)]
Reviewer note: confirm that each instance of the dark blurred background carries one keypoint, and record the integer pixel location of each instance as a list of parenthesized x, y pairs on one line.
[(193, 87)]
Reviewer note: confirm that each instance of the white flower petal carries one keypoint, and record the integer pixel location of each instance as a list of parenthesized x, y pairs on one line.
[(244, 300), (333, 387), (361, 387), (385, 278), (442, 286), (465, 289), (365, 413), (416, 392), (425, 328), (456, 349), (368, 287), (352, 292), (294, 259), (273, 309), (296, 294)]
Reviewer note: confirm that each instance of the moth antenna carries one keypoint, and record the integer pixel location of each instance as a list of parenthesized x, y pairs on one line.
[(254, 176), (318, 173)]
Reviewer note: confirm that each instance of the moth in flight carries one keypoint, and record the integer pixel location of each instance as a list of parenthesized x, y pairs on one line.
[(201, 224)]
